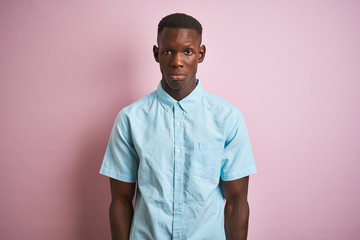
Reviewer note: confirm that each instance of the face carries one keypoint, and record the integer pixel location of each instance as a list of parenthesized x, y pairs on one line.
[(178, 54)]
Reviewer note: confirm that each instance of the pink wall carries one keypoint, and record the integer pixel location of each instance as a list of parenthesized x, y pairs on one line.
[(68, 67)]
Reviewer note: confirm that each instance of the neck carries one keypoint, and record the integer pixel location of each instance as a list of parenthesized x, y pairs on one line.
[(178, 94)]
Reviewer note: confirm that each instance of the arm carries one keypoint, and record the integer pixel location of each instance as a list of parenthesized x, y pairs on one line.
[(121, 209), (236, 208)]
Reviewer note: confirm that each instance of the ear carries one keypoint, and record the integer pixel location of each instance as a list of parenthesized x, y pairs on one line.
[(202, 51), (156, 53)]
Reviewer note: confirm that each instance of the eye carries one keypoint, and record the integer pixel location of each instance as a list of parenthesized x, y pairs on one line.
[(167, 52), (189, 51)]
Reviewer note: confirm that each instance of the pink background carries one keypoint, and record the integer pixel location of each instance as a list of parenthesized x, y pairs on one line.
[(68, 67)]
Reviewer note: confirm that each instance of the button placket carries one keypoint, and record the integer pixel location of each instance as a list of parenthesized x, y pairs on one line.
[(178, 171)]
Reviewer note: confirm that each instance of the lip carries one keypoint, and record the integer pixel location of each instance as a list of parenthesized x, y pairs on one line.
[(177, 76)]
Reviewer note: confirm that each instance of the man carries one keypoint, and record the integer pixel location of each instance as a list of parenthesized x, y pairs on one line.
[(186, 149)]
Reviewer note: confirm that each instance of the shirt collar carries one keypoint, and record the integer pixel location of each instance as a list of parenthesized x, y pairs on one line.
[(187, 103)]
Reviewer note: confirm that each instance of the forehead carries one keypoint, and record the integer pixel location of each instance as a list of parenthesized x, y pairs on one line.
[(178, 36)]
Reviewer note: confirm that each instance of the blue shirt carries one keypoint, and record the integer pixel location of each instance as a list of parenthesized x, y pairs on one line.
[(177, 152)]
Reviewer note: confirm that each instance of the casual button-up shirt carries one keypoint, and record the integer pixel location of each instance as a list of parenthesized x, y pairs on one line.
[(178, 152)]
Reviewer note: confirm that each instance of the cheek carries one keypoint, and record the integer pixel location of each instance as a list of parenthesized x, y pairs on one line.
[(191, 62), (163, 65), (164, 62)]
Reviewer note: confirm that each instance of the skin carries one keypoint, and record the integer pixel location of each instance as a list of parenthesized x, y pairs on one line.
[(236, 214), (178, 54), (121, 210)]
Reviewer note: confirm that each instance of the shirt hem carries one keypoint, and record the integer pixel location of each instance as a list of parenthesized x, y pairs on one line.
[(245, 173), (117, 176)]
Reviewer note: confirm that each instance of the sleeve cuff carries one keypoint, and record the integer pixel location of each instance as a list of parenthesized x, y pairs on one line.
[(117, 176), (237, 175)]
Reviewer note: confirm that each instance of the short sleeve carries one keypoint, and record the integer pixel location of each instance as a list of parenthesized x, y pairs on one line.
[(121, 159), (238, 160)]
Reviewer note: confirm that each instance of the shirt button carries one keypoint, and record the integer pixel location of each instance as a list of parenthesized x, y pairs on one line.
[(178, 179), (178, 124), (178, 150), (177, 207), (176, 235)]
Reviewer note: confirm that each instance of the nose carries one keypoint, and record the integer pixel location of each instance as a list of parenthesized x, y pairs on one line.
[(176, 60)]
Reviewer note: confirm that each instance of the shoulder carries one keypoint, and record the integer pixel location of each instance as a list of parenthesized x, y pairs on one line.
[(139, 106), (221, 107), (228, 116)]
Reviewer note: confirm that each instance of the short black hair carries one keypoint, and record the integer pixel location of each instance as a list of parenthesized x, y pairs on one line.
[(180, 20)]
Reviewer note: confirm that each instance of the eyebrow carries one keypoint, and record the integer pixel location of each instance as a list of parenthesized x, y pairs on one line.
[(190, 45), (186, 46)]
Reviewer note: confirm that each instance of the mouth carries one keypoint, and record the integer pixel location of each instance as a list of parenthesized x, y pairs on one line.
[(177, 76)]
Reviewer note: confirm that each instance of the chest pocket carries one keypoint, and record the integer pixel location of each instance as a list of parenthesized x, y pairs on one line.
[(207, 159)]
